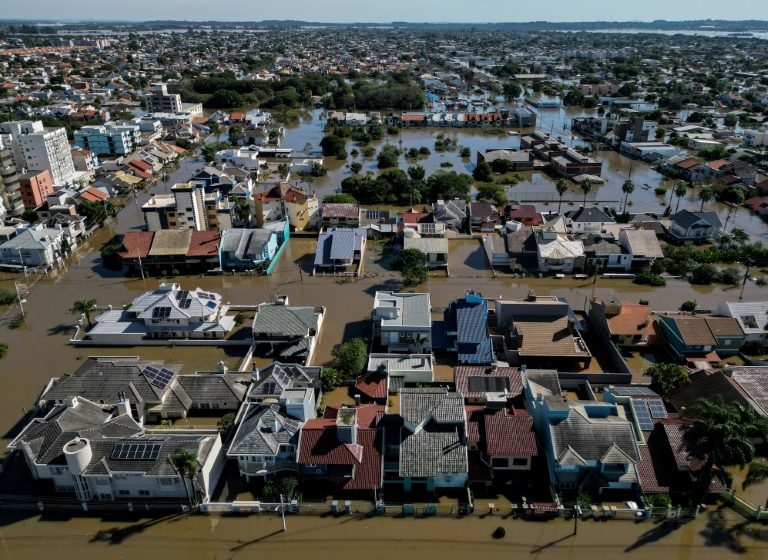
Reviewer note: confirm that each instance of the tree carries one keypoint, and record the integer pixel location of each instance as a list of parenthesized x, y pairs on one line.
[(287, 487), (419, 340), (343, 198), (355, 167), (586, 188), (351, 357), (758, 473), (561, 186), (705, 195), (511, 91), (739, 236), (226, 422), (722, 433), (225, 99), (185, 464), (447, 185), (680, 189), (413, 265), (330, 378), (84, 307), (491, 192), (666, 379), (704, 273), (333, 146), (3, 349), (627, 188), (483, 173), (388, 157), (416, 173)]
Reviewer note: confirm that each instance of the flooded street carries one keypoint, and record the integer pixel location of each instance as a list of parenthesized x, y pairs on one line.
[(716, 534)]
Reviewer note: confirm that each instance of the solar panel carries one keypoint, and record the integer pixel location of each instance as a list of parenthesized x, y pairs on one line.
[(182, 295), (159, 378), (135, 452), (185, 303), (150, 371), (161, 312), (657, 408), (634, 391), (268, 388), (643, 417)]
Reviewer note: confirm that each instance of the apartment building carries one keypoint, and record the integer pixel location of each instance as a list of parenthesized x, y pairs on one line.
[(160, 101), (35, 186), (188, 207), (10, 197), (106, 140), (35, 147)]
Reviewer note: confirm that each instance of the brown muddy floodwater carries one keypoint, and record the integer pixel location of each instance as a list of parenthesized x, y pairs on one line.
[(39, 350), (716, 534)]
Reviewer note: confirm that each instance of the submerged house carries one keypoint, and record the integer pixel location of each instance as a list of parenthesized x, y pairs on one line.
[(343, 447), (247, 249), (287, 332), (589, 446), (339, 250), (466, 329)]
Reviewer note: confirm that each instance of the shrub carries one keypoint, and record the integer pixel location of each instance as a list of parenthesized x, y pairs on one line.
[(226, 422), (689, 306), (330, 378), (351, 357), (3, 349), (499, 533), (658, 500), (704, 273), (7, 297), (240, 318), (17, 321), (730, 276), (649, 279)]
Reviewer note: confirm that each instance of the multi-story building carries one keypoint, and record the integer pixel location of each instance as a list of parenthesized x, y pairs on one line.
[(188, 207), (36, 147), (106, 140), (160, 101), (11, 203), (35, 187)]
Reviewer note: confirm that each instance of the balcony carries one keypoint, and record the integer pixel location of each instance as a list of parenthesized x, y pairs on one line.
[(263, 468)]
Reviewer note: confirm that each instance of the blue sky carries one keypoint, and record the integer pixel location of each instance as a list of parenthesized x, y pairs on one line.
[(389, 10)]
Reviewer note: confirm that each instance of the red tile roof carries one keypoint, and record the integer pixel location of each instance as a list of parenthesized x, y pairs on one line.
[(136, 244), (474, 422), (508, 435), (204, 244), (676, 435), (93, 195), (413, 217), (373, 385), (340, 210), (142, 165), (634, 318), (463, 374), (689, 163), (319, 445)]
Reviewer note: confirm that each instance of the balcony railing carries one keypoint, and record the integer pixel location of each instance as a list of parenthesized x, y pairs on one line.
[(267, 468)]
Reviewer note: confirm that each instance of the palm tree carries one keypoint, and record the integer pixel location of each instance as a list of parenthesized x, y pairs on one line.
[(627, 188), (723, 433), (705, 195), (185, 464), (680, 189), (561, 186), (739, 236), (586, 188), (84, 307), (419, 340), (758, 473), (738, 196)]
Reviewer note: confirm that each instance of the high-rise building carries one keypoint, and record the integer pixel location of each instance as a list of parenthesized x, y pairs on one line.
[(106, 140), (160, 101), (10, 197), (35, 147), (188, 207), (36, 186)]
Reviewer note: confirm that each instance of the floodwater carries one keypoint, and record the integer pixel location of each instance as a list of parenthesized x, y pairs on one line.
[(714, 535), (535, 187)]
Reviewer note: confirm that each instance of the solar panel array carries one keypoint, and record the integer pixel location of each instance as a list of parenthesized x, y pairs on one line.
[(634, 391), (642, 415), (136, 451), (182, 296), (158, 377), (657, 408), (161, 312)]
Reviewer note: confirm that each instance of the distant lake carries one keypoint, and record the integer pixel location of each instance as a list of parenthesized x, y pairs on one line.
[(696, 32)]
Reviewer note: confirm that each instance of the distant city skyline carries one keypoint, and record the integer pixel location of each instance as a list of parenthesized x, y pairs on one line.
[(345, 11)]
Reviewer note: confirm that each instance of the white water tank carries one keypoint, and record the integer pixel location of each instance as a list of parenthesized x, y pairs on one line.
[(78, 453)]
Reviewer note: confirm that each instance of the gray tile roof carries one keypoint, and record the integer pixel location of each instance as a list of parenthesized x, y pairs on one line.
[(204, 388), (201, 304), (590, 214), (686, 218), (434, 450), (246, 244), (283, 320), (338, 244), (277, 377), (103, 379), (263, 429), (593, 438), (420, 404), (46, 437)]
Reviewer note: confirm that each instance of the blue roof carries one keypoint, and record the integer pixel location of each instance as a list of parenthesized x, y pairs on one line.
[(470, 317)]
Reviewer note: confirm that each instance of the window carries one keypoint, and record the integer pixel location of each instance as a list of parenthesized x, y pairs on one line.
[(499, 462), (143, 492), (520, 462), (123, 493)]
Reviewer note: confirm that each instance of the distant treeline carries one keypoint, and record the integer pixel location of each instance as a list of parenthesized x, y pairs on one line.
[(662, 25), (395, 92)]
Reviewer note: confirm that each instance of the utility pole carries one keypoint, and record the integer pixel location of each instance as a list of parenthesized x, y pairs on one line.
[(744, 282), (282, 513), (141, 267), (21, 295)]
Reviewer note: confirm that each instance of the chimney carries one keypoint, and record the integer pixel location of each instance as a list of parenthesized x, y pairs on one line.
[(357, 399), (255, 374), (346, 425), (222, 367), (123, 405)]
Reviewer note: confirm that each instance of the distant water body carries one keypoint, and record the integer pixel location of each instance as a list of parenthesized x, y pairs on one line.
[(695, 32)]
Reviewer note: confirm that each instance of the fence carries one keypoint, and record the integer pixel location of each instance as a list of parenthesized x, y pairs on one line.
[(739, 504)]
